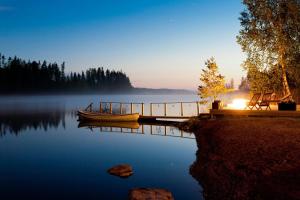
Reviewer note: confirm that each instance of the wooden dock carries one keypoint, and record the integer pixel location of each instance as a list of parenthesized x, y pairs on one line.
[(150, 111), (253, 113), (148, 117)]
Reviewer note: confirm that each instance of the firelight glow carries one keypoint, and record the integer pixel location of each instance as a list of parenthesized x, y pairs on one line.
[(238, 104)]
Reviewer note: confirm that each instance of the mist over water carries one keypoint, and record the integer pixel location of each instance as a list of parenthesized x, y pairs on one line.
[(44, 155)]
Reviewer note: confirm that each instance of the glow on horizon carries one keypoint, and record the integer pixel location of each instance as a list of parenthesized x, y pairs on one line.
[(159, 45)]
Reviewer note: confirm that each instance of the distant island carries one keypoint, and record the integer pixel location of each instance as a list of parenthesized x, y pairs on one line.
[(162, 91), (18, 76)]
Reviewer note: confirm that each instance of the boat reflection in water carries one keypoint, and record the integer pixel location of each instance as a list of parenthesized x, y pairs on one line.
[(158, 128), (95, 124)]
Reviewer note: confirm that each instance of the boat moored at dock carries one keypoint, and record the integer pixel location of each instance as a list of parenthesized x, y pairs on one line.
[(105, 117)]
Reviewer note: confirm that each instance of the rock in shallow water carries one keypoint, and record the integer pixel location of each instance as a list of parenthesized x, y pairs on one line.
[(123, 170), (150, 194)]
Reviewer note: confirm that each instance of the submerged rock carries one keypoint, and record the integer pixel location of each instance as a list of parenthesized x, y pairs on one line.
[(122, 170), (150, 194)]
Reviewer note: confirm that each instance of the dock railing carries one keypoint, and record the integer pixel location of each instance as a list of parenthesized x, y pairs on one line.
[(153, 108)]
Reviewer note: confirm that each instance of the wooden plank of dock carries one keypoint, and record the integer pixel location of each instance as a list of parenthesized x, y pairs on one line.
[(254, 113), (148, 117)]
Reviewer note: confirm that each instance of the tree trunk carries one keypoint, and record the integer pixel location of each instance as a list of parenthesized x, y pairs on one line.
[(286, 89), (282, 61)]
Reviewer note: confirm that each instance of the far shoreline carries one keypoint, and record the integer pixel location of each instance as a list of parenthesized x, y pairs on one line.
[(133, 91)]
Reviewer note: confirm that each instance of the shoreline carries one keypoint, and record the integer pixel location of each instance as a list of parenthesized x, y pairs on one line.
[(247, 158), (113, 91)]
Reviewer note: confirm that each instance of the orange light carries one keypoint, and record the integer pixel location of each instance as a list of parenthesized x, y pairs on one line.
[(238, 104)]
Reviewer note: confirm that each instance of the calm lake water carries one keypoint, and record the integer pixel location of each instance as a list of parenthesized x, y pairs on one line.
[(44, 155)]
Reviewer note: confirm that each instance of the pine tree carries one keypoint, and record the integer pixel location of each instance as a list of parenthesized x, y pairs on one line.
[(232, 83), (212, 82), (62, 69)]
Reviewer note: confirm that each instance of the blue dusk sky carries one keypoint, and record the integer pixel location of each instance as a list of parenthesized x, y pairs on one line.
[(159, 44)]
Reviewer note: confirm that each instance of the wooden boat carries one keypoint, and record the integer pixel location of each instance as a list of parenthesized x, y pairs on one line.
[(96, 116), (96, 124)]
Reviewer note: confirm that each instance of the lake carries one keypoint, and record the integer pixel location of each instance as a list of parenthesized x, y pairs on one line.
[(45, 155)]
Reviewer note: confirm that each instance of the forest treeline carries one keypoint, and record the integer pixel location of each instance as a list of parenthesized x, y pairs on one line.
[(20, 76)]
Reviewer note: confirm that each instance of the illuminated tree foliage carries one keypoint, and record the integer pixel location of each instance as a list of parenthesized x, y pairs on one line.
[(270, 35), (212, 82)]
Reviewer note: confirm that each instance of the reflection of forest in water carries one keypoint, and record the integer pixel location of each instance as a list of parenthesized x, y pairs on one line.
[(15, 122)]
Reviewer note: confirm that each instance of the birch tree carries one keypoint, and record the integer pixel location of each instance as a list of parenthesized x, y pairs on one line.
[(270, 36)]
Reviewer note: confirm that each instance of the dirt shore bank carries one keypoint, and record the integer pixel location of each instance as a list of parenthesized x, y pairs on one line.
[(247, 158)]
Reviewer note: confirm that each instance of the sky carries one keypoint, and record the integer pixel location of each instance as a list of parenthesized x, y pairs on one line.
[(157, 43)]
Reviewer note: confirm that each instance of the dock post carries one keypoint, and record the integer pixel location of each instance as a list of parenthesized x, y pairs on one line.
[(142, 108), (100, 109), (198, 112), (165, 109), (110, 108), (181, 108), (121, 108), (131, 108), (151, 109)]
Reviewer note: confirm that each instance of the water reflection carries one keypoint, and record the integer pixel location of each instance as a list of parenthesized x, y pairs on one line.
[(17, 122), (94, 124), (158, 129), (44, 166)]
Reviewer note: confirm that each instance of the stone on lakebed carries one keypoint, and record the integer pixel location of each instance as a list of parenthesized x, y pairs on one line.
[(150, 194), (122, 170)]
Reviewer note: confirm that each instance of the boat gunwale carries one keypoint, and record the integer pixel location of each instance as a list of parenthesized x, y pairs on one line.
[(103, 114)]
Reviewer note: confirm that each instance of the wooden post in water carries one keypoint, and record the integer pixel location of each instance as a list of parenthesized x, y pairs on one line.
[(131, 108), (121, 108), (165, 109), (198, 112), (100, 109), (110, 108), (165, 130), (151, 109), (181, 108), (142, 108)]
